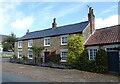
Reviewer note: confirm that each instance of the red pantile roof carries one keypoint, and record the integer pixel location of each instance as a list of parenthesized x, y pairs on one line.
[(106, 35)]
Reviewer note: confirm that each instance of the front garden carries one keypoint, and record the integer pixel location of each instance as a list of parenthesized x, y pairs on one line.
[(77, 58)]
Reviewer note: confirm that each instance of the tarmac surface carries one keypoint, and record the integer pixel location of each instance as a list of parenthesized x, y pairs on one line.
[(46, 74)]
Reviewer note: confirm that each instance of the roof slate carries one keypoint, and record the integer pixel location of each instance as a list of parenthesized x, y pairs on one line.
[(62, 30), (106, 35), (2, 37)]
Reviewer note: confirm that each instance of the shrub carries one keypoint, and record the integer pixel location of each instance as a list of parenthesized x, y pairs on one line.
[(53, 57), (82, 60), (101, 61), (75, 48)]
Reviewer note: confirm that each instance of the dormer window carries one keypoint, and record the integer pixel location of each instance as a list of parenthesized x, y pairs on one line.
[(20, 44), (30, 43)]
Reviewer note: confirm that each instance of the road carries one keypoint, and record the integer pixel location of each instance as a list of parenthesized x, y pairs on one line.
[(12, 77), (46, 74)]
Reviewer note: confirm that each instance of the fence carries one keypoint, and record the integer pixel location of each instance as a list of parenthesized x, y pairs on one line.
[(6, 53)]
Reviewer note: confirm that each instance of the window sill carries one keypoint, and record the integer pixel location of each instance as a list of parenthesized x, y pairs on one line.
[(19, 47), (63, 44), (63, 61), (46, 45), (29, 46)]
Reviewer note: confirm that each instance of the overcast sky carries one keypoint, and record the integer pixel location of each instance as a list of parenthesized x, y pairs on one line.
[(17, 17)]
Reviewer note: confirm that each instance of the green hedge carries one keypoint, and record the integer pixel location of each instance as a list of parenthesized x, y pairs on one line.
[(99, 65)]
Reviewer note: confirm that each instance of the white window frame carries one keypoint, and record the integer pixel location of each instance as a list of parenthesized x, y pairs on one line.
[(62, 40), (47, 41), (19, 53), (61, 51), (30, 42), (93, 53), (29, 54), (110, 49), (19, 44)]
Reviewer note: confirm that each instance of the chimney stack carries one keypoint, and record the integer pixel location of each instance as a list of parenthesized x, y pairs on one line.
[(27, 31), (91, 19), (54, 23)]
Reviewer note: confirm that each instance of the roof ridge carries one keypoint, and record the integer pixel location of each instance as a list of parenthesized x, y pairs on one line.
[(58, 27), (108, 27)]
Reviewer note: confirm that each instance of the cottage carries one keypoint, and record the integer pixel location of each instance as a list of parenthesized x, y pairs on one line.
[(107, 38), (54, 38)]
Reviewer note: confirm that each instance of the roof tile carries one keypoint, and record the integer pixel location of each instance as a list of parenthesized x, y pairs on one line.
[(106, 35)]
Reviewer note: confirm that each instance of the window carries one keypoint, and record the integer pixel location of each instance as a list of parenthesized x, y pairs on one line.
[(30, 54), (20, 44), (46, 41), (63, 55), (64, 40), (92, 54), (111, 49), (19, 54), (30, 43)]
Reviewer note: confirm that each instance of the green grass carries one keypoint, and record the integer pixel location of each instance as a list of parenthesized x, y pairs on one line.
[(6, 56)]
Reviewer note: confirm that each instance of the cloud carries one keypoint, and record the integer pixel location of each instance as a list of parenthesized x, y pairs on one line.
[(6, 14), (109, 9), (24, 23), (110, 21), (106, 11), (47, 13)]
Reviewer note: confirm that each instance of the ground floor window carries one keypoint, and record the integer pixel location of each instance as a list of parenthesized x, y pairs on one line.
[(92, 53), (19, 54), (30, 54), (63, 55)]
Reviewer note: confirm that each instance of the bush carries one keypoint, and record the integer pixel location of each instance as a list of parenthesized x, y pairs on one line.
[(101, 61), (75, 48), (53, 57)]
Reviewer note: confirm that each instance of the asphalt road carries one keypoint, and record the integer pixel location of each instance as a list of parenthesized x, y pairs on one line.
[(11, 77)]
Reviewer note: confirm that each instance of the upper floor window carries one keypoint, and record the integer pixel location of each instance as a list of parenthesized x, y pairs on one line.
[(30, 54), (63, 55), (92, 54), (20, 44), (64, 40), (30, 43), (46, 41)]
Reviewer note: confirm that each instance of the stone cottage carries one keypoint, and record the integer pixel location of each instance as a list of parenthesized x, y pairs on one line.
[(107, 38), (54, 38)]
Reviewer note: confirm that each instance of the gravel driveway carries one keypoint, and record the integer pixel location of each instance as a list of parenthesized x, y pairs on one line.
[(56, 75)]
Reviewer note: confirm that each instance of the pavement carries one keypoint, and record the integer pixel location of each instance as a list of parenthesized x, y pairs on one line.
[(46, 74)]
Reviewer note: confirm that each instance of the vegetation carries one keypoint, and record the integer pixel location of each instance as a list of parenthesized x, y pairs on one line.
[(54, 58), (101, 61), (37, 54), (78, 57), (8, 43), (75, 48)]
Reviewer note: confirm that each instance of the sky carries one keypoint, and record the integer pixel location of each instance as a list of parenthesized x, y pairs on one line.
[(18, 17)]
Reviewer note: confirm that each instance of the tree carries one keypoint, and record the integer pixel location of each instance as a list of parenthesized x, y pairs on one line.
[(8, 43), (37, 52), (75, 48)]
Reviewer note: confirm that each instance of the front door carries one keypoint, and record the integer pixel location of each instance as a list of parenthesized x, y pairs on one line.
[(113, 62), (46, 57)]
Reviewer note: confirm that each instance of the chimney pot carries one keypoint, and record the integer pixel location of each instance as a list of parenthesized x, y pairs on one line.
[(27, 31), (54, 23)]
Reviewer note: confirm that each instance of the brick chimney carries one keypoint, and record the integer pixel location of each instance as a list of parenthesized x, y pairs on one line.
[(91, 19), (54, 23)]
